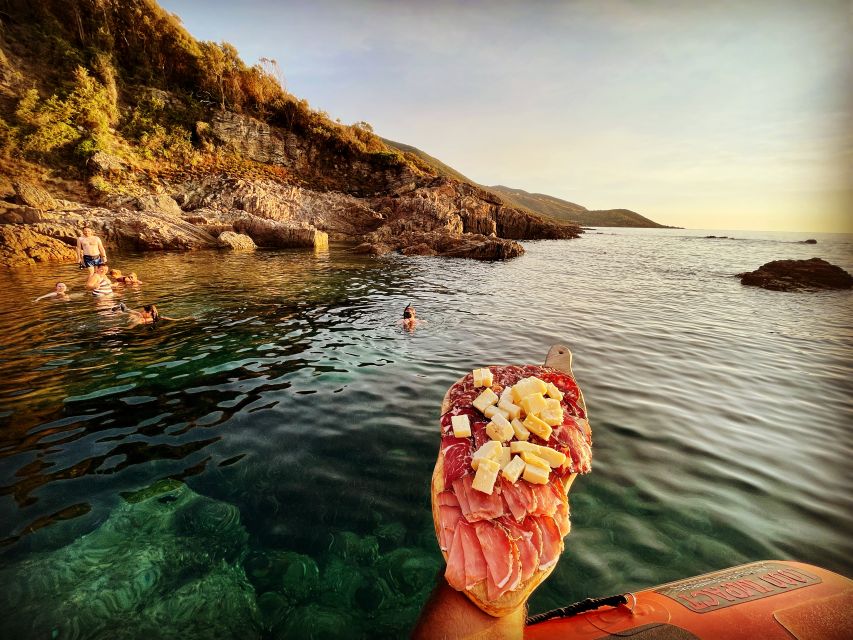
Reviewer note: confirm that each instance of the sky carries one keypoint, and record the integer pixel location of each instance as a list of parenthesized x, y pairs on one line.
[(700, 113)]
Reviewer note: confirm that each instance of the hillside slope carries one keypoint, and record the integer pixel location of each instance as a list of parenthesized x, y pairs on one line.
[(111, 106), (534, 203)]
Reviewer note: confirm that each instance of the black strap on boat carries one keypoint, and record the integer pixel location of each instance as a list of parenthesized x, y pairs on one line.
[(579, 607)]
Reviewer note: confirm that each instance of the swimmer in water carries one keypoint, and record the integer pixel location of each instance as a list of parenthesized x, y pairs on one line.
[(59, 292), (130, 279), (147, 315), (410, 320)]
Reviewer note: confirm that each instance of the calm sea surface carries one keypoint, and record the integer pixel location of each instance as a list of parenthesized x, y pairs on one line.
[(302, 422)]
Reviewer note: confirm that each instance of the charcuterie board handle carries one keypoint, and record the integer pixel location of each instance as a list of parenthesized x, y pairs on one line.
[(560, 357)]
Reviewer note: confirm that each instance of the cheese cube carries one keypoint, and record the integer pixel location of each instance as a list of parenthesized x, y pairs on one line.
[(526, 386), (537, 427), (500, 428), (490, 450), (513, 469), (533, 404), (478, 377), (517, 447), (461, 426), (535, 474), (504, 457), (487, 473), (553, 457), (521, 431), (513, 411), (552, 414), (553, 391), (485, 399), (506, 394), (531, 458), (482, 377), (492, 410)]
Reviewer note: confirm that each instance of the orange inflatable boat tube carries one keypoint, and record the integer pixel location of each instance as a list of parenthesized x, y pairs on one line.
[(766, 600)]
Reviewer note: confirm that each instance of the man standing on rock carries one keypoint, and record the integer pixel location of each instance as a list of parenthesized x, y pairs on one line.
[(90, 250)]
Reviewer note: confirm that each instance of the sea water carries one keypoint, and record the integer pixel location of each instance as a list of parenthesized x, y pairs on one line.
[(295, 424)]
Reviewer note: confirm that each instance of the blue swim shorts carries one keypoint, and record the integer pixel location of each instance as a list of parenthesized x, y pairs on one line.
[(91, 261)]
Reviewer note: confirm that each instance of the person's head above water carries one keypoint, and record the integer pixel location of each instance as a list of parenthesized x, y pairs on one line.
[(409, 312), (115, 273), (151, 309), (60, 287)]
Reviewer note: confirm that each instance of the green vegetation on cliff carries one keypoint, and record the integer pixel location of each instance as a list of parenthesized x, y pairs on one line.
[(123, 77)]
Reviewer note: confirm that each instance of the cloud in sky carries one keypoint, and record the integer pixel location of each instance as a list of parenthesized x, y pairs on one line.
[(725, 114)]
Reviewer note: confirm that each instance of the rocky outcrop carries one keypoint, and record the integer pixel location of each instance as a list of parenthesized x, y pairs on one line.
[(158, 202), (102, 163), (21, 245), (442, 217), (435, 243), (269, 233), (33, 196), (236, 241), (795, 275)]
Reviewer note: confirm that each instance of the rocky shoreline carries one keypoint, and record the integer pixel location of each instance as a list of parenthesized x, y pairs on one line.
[(402, 210)]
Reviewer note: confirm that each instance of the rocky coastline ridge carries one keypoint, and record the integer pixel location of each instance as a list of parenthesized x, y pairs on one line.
[(379, 210)]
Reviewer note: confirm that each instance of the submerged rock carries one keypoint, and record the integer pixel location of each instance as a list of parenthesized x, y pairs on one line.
[(165, 563), (794, 275)]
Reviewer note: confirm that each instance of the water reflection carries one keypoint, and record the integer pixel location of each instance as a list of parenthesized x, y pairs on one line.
[(295, 396)]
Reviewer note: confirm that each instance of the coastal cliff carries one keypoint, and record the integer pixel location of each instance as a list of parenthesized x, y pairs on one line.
[(113, 116)]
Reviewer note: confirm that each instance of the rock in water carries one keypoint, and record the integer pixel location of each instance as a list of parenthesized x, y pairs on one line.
[(165, 564), (794, 275)]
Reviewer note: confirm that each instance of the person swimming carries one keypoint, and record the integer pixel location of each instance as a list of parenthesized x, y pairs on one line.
[(147, 315), (59, 292), (410, 320), (130, 279), (98, 283)]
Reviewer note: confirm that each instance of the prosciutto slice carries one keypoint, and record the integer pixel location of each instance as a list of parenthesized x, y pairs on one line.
[(455, 571), (552, 542), (501, 558), (450, 516), (475, 561), (476, 505), (514, 500), (528, 548)]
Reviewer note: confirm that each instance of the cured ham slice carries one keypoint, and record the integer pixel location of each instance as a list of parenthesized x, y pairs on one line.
[(457, 458), (501, 558), (476, 505), (450, 516), (552, 542), (546, 500), (530, 526), (564, 525), (448, 498), (514, 500), (475, 561), (455, 571), (528, 548)]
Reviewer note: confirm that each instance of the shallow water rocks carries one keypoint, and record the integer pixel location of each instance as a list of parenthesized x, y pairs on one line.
[(437, 243), (165, 559), (795, 275), (236, 241), (270, 233)]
